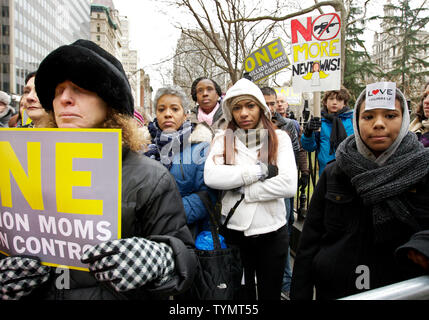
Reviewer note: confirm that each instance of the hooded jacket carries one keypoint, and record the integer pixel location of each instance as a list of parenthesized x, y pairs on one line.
[(263, 209), (338, 245)]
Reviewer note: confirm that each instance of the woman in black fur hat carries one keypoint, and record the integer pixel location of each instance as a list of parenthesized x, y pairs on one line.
[(83, 86)]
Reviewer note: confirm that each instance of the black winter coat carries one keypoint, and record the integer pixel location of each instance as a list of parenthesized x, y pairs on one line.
[(151, 208), (338, 237)]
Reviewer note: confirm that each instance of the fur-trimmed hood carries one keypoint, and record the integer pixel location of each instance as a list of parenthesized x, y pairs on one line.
[(243, 87), (201, 133)]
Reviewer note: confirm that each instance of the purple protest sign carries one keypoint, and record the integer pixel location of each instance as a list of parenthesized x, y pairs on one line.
[(60, 192)]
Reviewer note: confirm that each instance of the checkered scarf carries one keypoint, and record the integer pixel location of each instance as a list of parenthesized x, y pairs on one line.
[(165, 145)]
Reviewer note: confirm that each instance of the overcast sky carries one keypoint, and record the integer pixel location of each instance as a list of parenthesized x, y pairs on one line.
[(153, 34)]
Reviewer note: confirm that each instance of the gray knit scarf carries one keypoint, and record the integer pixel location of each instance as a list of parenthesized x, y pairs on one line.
[(381, 186)]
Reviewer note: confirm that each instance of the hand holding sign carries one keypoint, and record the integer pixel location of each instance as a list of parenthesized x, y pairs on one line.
[(129, 264), (19, 276)]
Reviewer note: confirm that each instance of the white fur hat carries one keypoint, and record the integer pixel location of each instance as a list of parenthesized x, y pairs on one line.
[(5, 98)]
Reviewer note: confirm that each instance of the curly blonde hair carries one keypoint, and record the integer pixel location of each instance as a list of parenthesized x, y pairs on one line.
[(132, 136)]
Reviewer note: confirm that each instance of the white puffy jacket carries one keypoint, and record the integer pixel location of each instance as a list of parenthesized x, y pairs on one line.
[(263, 209)]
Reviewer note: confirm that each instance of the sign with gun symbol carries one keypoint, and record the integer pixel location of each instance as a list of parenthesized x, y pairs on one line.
[(326, 26)]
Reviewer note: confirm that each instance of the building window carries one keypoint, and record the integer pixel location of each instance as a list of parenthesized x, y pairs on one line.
[(5, 11), (5, 30), (98, 28), (5, 49), (6, 68), (98, 38)]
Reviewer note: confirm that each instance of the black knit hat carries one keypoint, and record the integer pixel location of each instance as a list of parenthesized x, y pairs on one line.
[(90, 67)]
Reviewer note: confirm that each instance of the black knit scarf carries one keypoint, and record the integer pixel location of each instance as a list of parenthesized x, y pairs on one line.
[(338, 133), (381, 186)]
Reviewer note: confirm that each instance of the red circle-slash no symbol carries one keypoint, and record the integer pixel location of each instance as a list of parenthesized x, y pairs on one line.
[(327, 21)]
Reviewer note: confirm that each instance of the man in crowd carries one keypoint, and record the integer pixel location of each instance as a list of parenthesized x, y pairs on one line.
[(287, 125)]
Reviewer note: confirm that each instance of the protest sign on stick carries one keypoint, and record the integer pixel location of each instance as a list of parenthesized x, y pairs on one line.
[(316, 53), (267, 60)]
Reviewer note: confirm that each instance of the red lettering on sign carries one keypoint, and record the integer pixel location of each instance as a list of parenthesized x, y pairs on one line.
[(296, 27)]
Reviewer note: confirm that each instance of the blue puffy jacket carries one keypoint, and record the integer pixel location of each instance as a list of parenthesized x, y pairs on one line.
[(188, 171), (320, 140)]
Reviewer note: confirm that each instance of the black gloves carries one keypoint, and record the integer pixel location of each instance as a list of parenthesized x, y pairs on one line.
[(267, 172), (272, 171), (313, 125)]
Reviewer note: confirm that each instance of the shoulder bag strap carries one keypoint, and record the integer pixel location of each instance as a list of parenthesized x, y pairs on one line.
[(204, 196)]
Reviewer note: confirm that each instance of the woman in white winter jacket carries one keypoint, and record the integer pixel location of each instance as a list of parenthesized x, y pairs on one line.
[(258, 165)]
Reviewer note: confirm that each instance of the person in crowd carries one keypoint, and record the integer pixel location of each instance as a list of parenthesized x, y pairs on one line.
[(282, 109), (282, 105), (420, 124), (16, 120), (371, 200), (254, 163), (283, 123), (208, 96), (181, 146), (83, 86), (270, 97), (6, 111), (33, 107), (335, 126), (139, 118)]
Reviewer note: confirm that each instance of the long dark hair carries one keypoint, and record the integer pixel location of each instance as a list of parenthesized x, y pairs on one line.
[(273, 142)]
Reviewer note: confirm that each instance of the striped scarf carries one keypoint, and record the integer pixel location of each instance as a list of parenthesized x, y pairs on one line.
[(165, 145)]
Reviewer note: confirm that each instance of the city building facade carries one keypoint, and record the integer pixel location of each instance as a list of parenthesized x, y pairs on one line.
[(192, 61), (32, 29), (106, 27), (387, 48), (110, 31)]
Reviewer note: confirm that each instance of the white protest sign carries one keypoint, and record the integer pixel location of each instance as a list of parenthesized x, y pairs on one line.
[(316, 53), (60, 192), (380, 95), (292, 98)]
